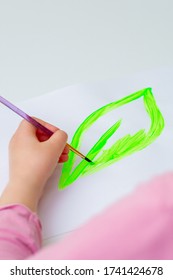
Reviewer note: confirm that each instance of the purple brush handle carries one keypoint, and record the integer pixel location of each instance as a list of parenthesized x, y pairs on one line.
[(25, 116)]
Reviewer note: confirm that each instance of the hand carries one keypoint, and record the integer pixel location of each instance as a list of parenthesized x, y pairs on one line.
[(33, 157)]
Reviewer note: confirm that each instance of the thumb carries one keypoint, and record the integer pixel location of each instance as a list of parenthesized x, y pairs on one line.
[(57, 142)]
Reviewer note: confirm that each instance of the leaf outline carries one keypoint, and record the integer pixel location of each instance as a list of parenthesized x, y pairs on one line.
[(127, 144)]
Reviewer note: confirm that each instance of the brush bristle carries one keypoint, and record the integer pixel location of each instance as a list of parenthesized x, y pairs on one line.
[(87, 159)]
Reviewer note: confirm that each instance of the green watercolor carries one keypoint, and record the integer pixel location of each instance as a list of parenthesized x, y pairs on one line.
[(125, 146)]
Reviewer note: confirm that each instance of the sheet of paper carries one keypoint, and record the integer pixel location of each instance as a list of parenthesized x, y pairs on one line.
[(64, 211)]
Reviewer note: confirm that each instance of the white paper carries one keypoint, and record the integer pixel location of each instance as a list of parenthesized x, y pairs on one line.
[(64, 211)]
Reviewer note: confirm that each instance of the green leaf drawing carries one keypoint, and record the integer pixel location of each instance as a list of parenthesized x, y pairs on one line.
[(125, 146)]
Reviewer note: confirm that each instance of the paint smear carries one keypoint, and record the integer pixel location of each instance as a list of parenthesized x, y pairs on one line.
[(125, 146)]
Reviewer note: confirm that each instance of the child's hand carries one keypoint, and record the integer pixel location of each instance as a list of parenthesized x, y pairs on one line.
[(33, 157)]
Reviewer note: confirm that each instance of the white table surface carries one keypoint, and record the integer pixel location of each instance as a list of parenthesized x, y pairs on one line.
[(49, 44)]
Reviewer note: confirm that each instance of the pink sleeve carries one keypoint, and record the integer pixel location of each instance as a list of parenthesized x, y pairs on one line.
[(20, 232), (139, 226)]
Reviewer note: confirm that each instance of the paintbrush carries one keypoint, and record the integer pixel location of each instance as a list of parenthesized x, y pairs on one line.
[(37, 125)]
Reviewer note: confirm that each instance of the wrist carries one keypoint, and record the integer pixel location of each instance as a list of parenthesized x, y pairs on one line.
[(18, 193)]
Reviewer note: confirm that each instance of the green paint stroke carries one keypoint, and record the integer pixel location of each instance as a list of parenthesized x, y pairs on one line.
[(125, 146)]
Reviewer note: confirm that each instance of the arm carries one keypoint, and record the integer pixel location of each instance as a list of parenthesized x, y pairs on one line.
[(33, 157)]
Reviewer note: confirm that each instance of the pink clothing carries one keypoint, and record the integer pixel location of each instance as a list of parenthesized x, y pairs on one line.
[(140, 226), (20, 232)]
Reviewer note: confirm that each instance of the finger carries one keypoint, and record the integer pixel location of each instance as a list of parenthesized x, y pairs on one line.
[(28, 128), (25, 128), (57, 142), (66, 150), (63, 158), (64, 155), (41, 135), (47, 125)]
